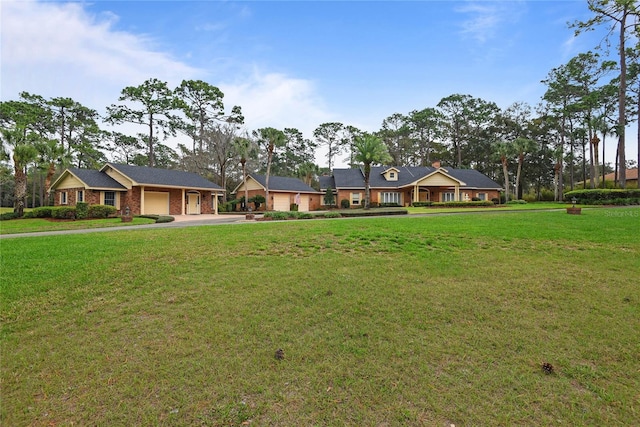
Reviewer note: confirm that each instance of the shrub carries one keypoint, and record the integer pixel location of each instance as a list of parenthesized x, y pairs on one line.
[(547, 195), (421, 204), (530, 197), (293, 207), (101, 211), (495, 201), (41, 212), (64, 212), (82, 210), (8, 215), (475, 199), (390, 205), (149, 216), (600, 194), (164, 218), (332, 214), (277, 215), (305, 215), (257, 200), (329, 197), (345, 204), (463, 204)]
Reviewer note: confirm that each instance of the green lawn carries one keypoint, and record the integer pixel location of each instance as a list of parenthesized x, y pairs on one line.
[(399, 321), (514, 207), (31, 225)]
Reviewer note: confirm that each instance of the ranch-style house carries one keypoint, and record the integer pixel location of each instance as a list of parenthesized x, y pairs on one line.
[(143, 190), (404, 185)]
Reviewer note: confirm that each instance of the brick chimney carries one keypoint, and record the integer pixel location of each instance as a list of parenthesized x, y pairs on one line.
[(436, 164)]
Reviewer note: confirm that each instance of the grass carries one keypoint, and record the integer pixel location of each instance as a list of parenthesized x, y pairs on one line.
[(514, 207), (31, 225), (383, 321)]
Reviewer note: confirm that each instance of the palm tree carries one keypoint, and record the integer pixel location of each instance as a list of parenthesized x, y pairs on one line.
[(24, 152), (50, 154), (245, 149), (271, 139), (503, 151), (522, 146), (370, 149)]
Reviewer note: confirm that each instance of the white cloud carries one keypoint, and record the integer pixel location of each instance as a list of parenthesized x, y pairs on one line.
[(55, 49), (60, 49), (276, 100), (486, 18)]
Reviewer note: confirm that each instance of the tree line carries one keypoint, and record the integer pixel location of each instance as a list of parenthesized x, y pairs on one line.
[(531, 149)]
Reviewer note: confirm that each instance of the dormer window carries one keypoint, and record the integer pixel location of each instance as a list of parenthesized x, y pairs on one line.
[(391, 174)]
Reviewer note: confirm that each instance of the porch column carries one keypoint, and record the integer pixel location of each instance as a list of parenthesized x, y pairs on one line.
[(142, 212), (416, 193), (182, 211), (457, 198), (215, 203)]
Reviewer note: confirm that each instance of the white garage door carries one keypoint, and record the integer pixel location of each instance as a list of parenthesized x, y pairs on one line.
[(156, 203), (281, 202), (304, 203)]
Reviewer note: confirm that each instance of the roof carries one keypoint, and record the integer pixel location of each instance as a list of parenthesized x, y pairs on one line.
[(407, 175), (280, 183), (96, 179), (326, 182), (629, 174), (142, 175)]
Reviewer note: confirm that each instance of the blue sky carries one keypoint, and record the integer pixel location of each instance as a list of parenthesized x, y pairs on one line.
[(293, 63)]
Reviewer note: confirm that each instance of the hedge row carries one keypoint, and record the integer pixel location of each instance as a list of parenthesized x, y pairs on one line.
[(81, 211), (605, 196), (299, 215), (463, 204)]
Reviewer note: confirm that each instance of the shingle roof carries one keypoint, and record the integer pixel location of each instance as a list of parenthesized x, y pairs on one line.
[(96, 179), (326, 182), (354, 178), (280, 183), (163, 177), (473, 178)]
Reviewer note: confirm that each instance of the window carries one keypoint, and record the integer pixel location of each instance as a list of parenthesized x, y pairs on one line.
[(449, 197), (80, 196), (110, 198), (390, 198), (355, 198), (482, 196), (392, 175), (63, 197)]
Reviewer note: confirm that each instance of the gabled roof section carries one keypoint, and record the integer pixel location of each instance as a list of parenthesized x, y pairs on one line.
[(326, 182), (391, 168), (348, 178), (142, 175), (409, 175), (281, 183), (439, 180), (474, 179), (92, 179)]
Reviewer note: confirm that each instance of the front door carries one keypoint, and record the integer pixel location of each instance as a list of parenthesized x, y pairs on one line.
[(193, 204)]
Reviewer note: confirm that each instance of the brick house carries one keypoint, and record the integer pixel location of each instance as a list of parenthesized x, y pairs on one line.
[(404, 185), (283, 192), (142, 189)]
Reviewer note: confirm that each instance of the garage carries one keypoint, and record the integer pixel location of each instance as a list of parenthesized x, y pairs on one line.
[(156, 202), (304, 203), (281, 202)]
